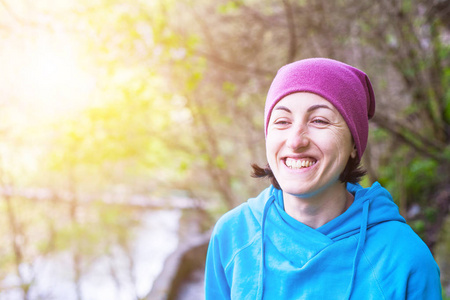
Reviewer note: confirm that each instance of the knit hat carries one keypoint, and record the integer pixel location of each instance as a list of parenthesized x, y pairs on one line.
[(344, 86)]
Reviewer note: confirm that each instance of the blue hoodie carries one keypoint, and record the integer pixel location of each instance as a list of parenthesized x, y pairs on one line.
[(258, 251)]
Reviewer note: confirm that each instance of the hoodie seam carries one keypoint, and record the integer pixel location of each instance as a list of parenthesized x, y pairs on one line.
[(240, 250), (373, 272)]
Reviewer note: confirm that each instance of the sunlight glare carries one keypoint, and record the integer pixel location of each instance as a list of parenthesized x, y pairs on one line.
[(42, 74)]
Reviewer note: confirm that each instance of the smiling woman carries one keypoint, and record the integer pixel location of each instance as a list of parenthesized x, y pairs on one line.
[(316, 233)]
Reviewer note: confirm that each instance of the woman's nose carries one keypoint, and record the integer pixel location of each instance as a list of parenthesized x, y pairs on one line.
[(298, 138)]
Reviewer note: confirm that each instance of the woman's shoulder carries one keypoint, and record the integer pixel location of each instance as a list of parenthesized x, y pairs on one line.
[(398, 242), (234, 219), (245, 216), (241, 225), (401, 262)]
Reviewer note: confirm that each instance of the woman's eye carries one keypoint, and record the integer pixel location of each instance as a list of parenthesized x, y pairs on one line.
[(281, 122), (320, 122)]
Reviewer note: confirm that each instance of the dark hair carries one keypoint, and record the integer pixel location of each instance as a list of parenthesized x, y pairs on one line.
[(352, 173)]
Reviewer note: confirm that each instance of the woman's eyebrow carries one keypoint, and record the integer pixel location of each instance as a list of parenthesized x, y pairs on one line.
[(283, 108), (314, 107)]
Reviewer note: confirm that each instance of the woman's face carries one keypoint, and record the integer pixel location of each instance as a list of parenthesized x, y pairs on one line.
[(308, 144)]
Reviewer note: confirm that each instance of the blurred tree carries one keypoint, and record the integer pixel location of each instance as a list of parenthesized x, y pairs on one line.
[(19, 243)]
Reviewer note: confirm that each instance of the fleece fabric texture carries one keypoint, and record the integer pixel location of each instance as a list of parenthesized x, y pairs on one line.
[(347, 88), (257, 251)]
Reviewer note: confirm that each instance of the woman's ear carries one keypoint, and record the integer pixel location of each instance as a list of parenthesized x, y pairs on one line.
[(354, 152)]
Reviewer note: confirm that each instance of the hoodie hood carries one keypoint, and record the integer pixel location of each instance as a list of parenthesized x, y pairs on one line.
[(382, 209), (371, 207)]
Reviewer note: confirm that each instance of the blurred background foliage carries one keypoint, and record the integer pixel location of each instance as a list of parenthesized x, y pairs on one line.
[(103, 100)]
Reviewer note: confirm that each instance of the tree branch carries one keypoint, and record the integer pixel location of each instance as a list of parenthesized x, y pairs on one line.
[(292, 34), (420, 143), (233, 65)]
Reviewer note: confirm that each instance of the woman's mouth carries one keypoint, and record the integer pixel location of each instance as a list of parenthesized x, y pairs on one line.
[(300, 163)]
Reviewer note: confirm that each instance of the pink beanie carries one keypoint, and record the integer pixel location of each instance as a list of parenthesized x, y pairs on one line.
[(346, 87)]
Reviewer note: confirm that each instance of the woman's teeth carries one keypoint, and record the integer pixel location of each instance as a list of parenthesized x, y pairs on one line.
[(299, 163)]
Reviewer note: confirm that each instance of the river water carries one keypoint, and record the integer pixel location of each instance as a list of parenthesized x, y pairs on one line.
[(154, 241)]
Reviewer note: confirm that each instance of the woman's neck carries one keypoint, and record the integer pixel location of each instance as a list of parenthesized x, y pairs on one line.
[(320, 209)]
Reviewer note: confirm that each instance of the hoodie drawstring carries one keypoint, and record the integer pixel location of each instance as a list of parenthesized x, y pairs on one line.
[(262, 265), (360, 247)]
